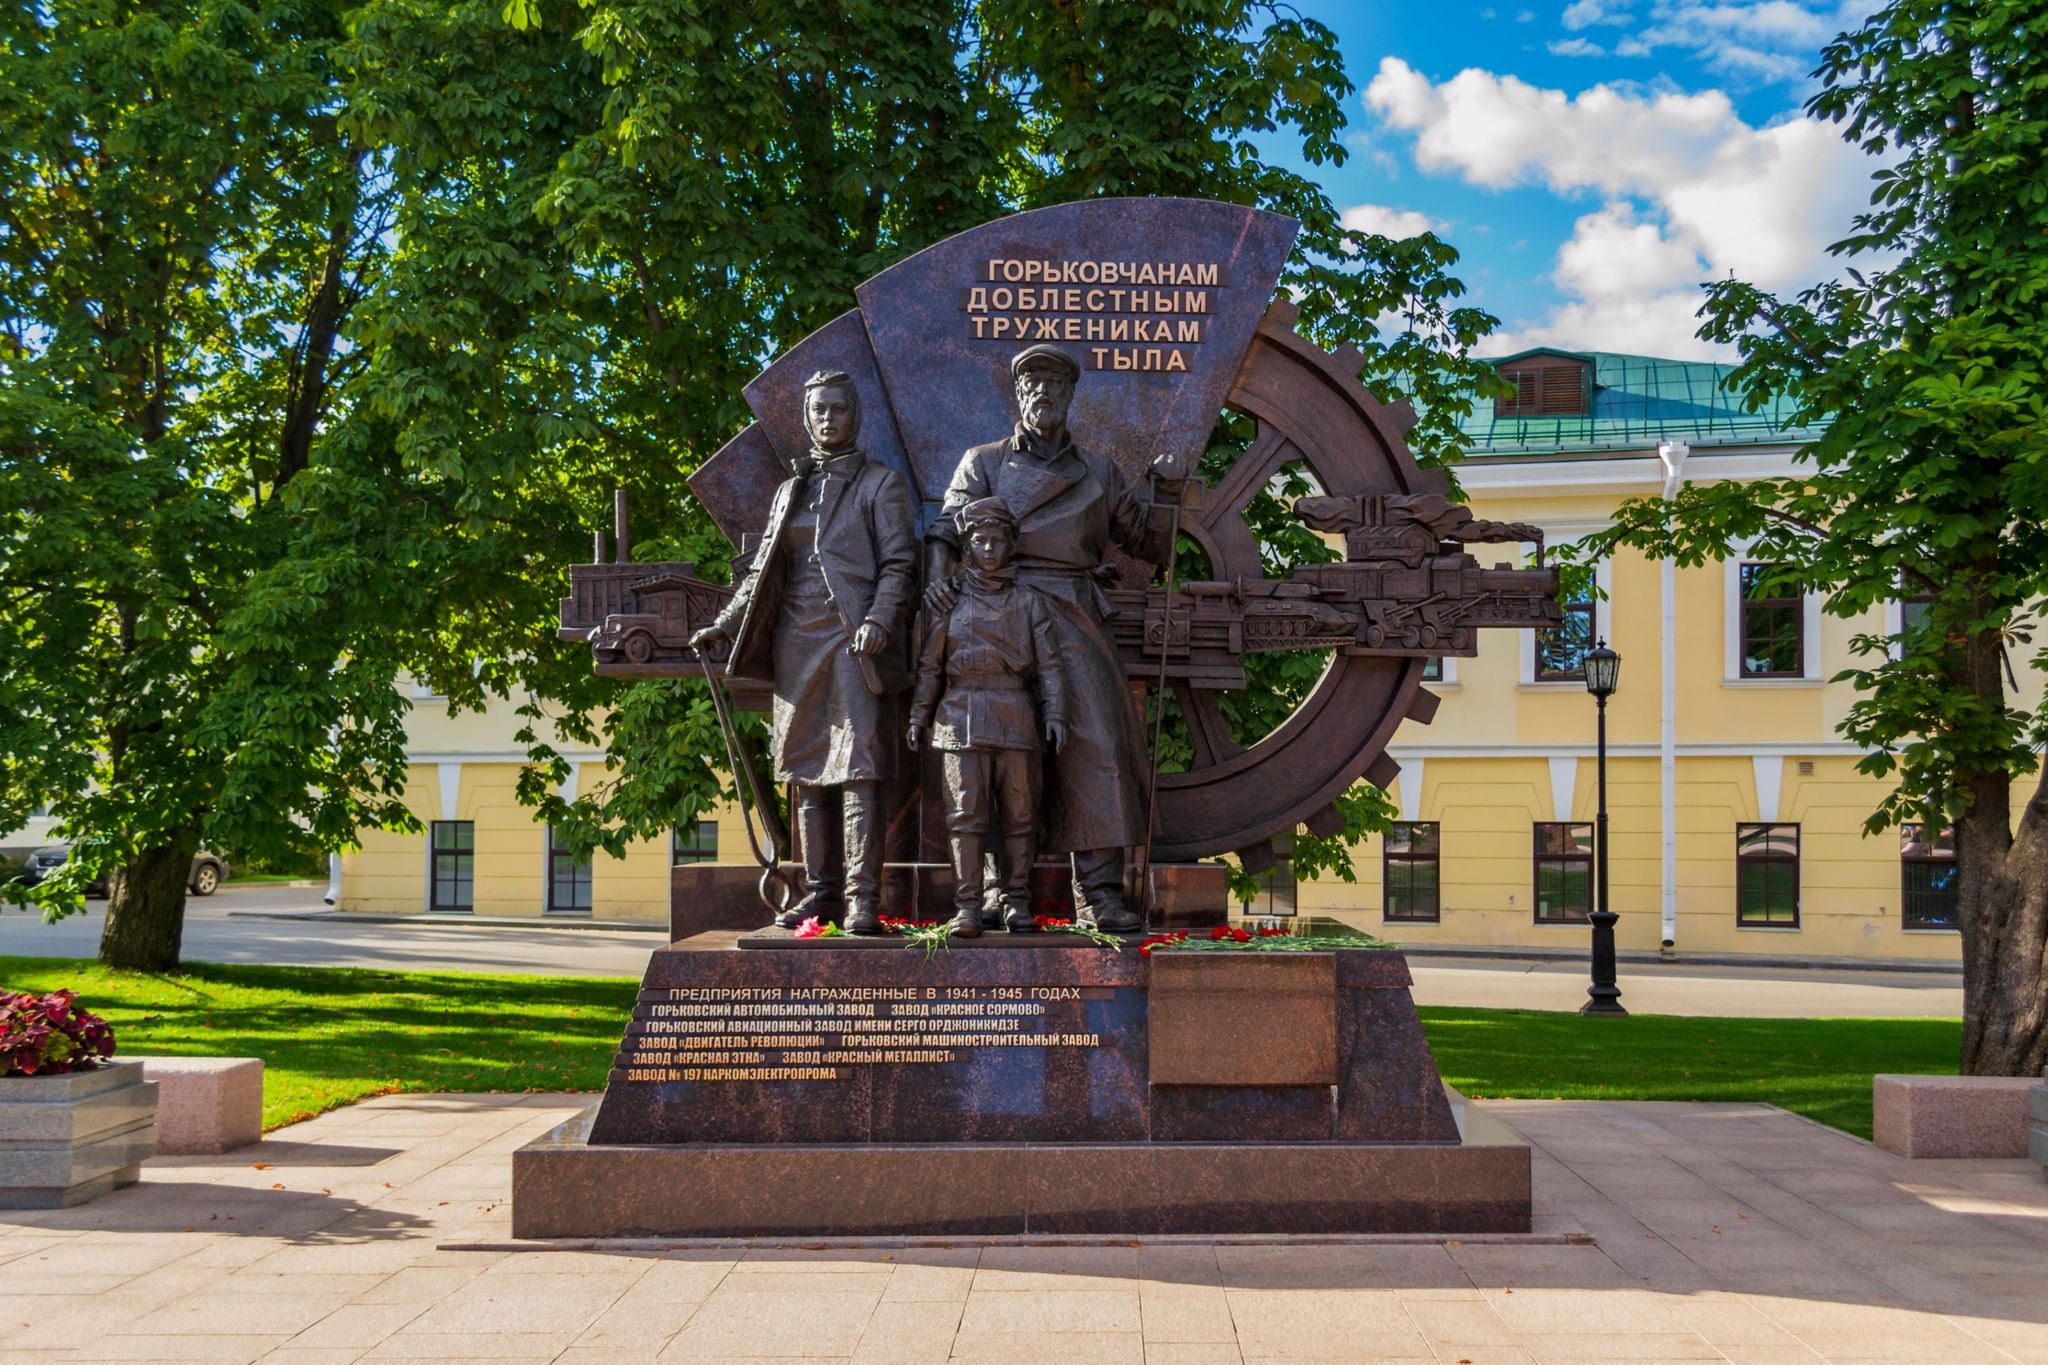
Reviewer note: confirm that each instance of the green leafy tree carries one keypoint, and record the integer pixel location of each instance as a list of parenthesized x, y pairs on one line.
[(883, 128), (184, 232), (1932, 481), (328, 333)]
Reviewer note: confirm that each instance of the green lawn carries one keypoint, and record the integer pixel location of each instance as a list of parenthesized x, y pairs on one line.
[(1817, 1067), (331, 1035)]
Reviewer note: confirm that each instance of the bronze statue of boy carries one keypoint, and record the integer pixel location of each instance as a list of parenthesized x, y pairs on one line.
[(982, 660), (819, 614)]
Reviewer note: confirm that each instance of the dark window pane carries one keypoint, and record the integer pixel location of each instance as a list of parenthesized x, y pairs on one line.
[(569, 878), (1767, 874), (453, 854), (1929, 878), (1410, 866), (1561, 650), (1276, 893), (1773, 621), (1563, 872), (1433, 670), (696, 843), (1561, 837)]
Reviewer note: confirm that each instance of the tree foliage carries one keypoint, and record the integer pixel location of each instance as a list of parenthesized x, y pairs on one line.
[(330, 330), (1931, 480)]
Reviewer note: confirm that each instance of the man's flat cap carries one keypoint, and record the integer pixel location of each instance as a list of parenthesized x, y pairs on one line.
[(1043, 354)]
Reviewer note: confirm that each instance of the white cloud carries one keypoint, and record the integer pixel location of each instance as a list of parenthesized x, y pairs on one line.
[(1585, 13), (1763, 41), (1383, 221), (1689, 191), (1525, 16), (1575, 47), (1613, 254)]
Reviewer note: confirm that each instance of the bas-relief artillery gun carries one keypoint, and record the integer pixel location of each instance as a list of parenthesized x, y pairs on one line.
[(1405, 588)]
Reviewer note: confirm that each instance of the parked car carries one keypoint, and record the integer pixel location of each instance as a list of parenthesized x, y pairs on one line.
[(209, 870)]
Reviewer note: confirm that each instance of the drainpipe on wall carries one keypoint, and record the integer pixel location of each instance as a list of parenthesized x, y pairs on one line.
[(1672, 454)]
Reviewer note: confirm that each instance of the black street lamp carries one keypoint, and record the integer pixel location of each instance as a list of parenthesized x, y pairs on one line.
[(1603, 675)]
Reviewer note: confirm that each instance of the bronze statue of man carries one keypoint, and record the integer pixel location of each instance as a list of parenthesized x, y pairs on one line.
[(819, 613), (1072, 504)]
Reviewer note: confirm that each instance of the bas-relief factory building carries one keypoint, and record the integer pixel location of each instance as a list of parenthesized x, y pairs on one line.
[(1737, 812)]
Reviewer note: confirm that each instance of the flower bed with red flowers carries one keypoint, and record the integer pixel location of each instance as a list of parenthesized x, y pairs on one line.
[(1224, 938), (931, 935), (49, 1035)]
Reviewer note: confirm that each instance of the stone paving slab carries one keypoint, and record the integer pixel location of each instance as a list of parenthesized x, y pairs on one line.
[(1719, 1232)]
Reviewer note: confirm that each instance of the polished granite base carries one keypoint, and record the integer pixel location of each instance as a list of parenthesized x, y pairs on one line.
[(564, 1186), (1011, 1085)]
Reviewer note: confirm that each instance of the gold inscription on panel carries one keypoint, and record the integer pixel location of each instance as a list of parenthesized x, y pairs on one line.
[(820, 1034), (1124, 315)]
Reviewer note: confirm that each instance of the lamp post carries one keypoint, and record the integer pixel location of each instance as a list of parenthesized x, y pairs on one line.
[(1603, 675)]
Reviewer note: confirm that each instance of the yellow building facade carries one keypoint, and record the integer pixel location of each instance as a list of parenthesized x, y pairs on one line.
[(483, 853), (1736, 812)]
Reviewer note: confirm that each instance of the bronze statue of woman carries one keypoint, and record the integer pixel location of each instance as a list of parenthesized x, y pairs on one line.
[(820, 615)]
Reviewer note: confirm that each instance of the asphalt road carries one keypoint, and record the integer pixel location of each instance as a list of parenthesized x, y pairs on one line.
[(254, 924)]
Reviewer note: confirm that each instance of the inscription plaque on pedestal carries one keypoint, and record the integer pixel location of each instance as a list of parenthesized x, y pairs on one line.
[(1013, 1044)]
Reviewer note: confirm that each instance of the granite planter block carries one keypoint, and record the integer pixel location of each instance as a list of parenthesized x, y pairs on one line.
[(1388, 1089), (705, 897), (1951, 1116), (1243, 1019), (67, 1139), (206, 1105)]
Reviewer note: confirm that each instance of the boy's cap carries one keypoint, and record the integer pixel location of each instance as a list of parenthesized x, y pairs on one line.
[(1033, 357), (986, 512)]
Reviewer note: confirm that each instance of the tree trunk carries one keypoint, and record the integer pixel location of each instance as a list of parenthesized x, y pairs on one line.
[(2004, 911), (146, 908)]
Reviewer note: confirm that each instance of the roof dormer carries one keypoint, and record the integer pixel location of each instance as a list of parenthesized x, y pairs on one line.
[(1548, 383)]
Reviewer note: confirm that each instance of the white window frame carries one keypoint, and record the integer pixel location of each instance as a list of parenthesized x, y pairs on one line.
[(1731, 629)]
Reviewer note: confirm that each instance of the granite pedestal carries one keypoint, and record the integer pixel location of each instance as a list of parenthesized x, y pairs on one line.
[(1017, 1084)]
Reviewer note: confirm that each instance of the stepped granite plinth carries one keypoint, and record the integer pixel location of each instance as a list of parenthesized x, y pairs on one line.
[(67, 1139), (1013, 1085)]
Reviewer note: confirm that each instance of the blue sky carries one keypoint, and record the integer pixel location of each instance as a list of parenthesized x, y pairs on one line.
[(1594, 160)]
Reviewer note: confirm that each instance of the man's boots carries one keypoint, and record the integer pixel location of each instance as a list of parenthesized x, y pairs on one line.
[(863, 831), (1017, 858), (817, 814), (968, 894), (1099, 892)]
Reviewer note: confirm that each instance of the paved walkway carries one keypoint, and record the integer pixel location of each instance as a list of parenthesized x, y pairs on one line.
[(225, 928), (1722, 1232)]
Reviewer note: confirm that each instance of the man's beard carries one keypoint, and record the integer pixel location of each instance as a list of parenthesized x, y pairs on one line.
[(1043, 413)]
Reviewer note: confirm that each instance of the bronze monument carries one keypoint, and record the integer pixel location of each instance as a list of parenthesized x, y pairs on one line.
[(819, 614), (1037, 1084)]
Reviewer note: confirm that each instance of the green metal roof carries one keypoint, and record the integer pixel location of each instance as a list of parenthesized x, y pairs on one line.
[(1638, 401)]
